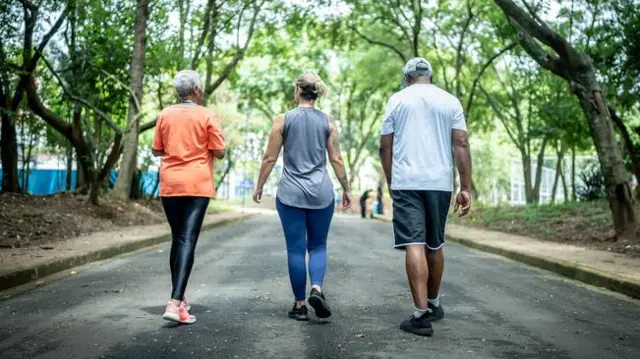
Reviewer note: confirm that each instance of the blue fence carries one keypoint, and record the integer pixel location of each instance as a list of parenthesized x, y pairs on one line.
[(48, 182)]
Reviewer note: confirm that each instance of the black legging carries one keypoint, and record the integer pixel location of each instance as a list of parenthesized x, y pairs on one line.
[(185, 216)]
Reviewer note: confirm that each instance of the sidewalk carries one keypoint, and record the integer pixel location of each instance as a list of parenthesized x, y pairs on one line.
[(613, 271), (22, 265)]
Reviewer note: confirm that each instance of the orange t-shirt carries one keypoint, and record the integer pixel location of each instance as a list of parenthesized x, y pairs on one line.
[(187, 133)]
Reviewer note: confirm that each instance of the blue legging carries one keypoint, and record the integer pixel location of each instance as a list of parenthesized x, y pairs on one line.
[(305, 230)]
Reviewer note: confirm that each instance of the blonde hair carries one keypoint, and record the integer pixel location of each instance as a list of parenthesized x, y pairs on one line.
[(310, 86)]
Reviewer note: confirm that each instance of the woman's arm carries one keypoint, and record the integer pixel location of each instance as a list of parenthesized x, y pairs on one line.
[(335, 157), (270, 155)]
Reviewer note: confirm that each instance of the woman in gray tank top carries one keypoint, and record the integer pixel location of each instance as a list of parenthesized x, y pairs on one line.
[(305, 193)]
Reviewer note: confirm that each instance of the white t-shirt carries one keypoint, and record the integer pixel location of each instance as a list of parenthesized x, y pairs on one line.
[(421, 118)]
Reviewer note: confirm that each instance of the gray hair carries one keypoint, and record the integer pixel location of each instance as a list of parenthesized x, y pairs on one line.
[(185, 82)]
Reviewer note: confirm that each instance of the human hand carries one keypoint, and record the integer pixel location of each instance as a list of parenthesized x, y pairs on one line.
[(346, 200), (257, 195), (463, 199)]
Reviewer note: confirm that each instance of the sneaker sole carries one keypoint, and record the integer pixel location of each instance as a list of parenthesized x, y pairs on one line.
[(172, 317), (320, 307), (425, 332)]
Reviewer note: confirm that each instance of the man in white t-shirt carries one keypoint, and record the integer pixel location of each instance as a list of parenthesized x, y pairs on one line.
[(422, 127)]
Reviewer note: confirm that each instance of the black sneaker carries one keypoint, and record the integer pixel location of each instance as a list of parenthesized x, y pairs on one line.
[(435, 313), (299, 313), (420, 326), (319, 304)]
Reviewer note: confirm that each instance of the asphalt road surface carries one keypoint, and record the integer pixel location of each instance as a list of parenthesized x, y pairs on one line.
[(240, 292)]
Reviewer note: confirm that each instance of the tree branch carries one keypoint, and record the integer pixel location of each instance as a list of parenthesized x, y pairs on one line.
[(210, 88), (45, 40), (481, 72), (538, 29), (499, 113), (379, 43), (539, 55), (78, 99)]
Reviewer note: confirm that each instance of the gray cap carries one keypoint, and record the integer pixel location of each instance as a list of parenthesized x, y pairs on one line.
[(415, 67)]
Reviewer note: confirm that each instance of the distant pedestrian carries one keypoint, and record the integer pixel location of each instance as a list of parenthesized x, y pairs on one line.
[(363, 203), (424, 119), (380, 200), (305, 200), (188, 137)]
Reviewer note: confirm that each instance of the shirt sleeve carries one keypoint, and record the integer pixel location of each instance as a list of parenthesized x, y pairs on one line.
[(459, 123), (215, 133), (388, 122), (158, 145)]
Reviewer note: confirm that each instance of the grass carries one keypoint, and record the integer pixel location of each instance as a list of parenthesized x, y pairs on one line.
[(573, 221), (216, 206), (582, 223)]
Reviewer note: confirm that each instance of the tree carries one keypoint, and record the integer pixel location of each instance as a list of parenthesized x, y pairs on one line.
[(11, 100), (576, 67), (514, 104), (123, 186)]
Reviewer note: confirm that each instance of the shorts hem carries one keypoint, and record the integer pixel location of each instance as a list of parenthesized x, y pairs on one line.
[(403, 245)]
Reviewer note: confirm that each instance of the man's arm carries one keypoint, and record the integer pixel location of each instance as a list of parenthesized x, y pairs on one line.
[(335, 157), (386, 156), (463, 158), (462, 154)]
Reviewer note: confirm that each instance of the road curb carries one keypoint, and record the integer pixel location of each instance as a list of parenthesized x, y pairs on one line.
[(566, 269), (24, 276)]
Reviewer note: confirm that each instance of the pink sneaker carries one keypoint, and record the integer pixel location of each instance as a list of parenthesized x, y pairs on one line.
[(178, 314), (186, 304)]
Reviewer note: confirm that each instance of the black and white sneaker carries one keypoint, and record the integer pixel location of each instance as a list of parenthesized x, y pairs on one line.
[(319, 304), (301, 313), (435, 313), (419, 326)]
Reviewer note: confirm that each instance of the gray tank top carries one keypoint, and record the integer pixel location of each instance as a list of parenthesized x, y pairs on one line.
[(305, 182)]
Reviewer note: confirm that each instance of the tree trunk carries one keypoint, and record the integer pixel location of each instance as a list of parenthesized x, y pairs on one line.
[(628, 144), (69, 167), (615, 175), (573, 174), (123, 186), (9, 155), (539, 166), (526, 171), (556, 180), (564, 185)]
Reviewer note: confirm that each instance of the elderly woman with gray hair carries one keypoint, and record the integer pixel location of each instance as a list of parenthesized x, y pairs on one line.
[(188, 137)]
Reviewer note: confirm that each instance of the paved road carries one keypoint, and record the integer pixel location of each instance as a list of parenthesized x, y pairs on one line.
[(240, 292)]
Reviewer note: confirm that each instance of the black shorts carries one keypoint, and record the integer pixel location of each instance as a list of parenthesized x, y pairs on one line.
[(419, 217)]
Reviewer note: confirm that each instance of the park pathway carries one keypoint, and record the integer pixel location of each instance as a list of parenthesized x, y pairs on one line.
[(240, 292)]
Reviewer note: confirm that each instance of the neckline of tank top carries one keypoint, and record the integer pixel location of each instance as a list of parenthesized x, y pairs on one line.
[(306, 108)]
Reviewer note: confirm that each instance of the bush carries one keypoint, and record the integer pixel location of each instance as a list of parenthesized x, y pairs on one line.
[(592, 184)]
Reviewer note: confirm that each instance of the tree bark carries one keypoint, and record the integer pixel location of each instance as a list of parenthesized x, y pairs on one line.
[(628, 144), (556, 179), (69, 167), (526, 171), (573, 174), (539, 166), (123, 186), (9, 155), (564, 185), (616, 179)]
